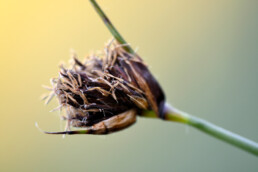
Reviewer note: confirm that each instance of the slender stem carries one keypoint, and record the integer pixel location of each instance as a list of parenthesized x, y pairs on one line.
[(225, 135), (176, 115), (111, 27)]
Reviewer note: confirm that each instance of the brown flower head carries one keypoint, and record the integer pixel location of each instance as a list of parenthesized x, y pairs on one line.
[(102, 87)]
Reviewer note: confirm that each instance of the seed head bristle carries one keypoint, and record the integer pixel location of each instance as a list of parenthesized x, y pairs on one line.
[(102, 87)]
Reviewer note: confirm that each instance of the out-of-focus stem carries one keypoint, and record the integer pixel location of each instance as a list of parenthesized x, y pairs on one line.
[(176, 115), (111, 27)]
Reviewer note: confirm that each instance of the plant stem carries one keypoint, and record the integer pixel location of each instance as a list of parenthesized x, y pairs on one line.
[(176, 115), (110, 26)]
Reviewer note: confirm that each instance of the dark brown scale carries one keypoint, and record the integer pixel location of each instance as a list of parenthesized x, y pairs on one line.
[(98, 92)]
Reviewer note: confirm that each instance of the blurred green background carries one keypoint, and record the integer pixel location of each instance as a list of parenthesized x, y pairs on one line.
[(203, 52)]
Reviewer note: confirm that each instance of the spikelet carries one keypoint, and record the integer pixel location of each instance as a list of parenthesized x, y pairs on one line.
[(102, 87)]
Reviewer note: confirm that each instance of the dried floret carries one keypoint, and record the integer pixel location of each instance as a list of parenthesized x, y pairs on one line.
[(102, 87)]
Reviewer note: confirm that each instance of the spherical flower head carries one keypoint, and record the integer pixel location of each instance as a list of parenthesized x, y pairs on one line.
[(105, 86)]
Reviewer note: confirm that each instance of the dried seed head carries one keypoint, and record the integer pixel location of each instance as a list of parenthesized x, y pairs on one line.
[(102, 87)]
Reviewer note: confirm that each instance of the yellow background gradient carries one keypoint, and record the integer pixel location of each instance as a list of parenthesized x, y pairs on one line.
[(203, 52)]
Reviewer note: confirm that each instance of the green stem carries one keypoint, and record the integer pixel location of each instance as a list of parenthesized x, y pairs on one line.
[(176, 115), (111, 27)]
